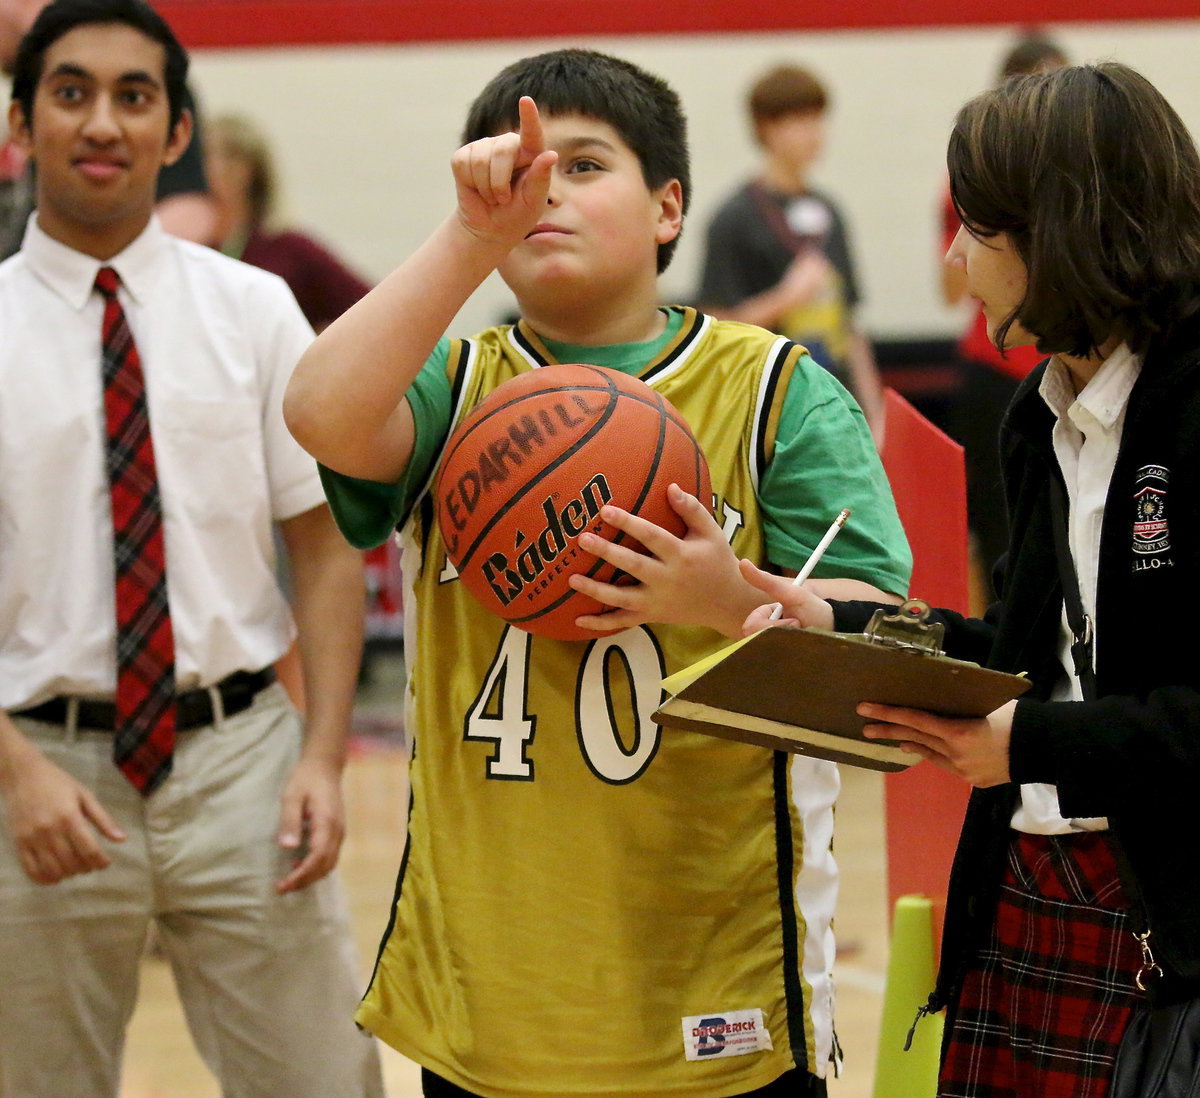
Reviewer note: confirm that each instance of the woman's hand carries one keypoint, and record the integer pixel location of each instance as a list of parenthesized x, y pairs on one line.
[(975, 749)]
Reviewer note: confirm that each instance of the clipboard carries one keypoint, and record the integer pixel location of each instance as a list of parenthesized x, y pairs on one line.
[(797, 689)]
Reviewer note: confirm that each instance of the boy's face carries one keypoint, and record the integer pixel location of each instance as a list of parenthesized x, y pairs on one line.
[(795, 139), (598, 239), (99, 135)]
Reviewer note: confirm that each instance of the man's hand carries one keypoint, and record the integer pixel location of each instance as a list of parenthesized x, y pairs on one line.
[(689, 580), (975, 749), (503, 182), (312, 823), (54, 820)]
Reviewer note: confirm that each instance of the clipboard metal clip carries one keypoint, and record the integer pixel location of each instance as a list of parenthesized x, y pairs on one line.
[(907, 628)]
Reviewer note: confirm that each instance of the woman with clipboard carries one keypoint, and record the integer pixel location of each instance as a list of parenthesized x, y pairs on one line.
[(1074, 902)]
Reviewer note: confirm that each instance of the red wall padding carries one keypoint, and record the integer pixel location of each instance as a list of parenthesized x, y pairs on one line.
[(219, 23)]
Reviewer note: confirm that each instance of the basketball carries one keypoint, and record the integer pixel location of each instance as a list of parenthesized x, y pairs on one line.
[(527, 471)]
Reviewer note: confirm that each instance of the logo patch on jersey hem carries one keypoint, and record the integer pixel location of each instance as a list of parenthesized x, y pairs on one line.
[(725, 1033)]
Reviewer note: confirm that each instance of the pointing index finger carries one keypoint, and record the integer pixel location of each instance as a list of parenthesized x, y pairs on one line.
[(533, 140)]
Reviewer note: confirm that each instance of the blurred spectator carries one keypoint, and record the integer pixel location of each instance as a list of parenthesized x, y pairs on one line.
[(16, 184), (241, 173), (777, 253), (185, 207), (989, 378)]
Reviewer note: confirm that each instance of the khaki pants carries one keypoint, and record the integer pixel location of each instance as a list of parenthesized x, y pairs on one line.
[(268, 982)]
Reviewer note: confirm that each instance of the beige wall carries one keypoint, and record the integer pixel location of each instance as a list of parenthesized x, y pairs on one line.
[(364, 135)]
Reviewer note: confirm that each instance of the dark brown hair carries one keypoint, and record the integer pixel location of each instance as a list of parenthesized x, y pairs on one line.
[(1032, 53), (1096, 181), (786, 89)]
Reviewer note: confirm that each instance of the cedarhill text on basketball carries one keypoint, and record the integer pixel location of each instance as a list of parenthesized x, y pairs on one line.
[(520, 438), (528, 470)]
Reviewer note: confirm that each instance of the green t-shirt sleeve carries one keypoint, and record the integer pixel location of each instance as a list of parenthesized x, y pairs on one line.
[(825, 460), (367, 511)]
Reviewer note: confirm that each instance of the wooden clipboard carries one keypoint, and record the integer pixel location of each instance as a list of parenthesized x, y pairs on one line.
[(797, 689)]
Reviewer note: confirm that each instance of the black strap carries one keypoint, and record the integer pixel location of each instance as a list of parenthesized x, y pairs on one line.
[(1079, 622), (1081, 652), (776, 220)]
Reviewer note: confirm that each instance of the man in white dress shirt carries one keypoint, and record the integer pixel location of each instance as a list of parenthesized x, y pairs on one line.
[(228, 845)]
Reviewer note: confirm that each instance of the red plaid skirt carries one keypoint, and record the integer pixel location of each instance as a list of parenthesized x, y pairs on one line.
[(1043, 1008)]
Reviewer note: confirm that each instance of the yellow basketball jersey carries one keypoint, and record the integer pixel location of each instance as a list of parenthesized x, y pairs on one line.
[(589, 904)]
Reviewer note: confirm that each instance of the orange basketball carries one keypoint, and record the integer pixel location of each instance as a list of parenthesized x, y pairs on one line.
[(527, 471)]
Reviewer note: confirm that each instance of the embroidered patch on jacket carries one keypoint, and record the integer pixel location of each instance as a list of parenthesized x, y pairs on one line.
[(1151, 534), (725, 1033)]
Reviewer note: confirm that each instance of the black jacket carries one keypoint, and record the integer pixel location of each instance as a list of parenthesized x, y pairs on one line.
[(1133, 754)]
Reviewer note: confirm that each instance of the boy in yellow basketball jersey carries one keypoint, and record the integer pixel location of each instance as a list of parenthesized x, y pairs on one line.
[(587, 904)]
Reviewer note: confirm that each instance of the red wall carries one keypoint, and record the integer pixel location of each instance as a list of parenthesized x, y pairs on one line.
[(219, 23), (924, 806)]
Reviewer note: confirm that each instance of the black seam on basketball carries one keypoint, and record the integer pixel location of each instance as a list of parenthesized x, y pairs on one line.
[(609, 390), (605, 385), (615, 395), (513, 500), (621, 536), (591, 381)]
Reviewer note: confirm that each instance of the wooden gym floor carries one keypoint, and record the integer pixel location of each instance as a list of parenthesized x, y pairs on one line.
[(160, 1060)]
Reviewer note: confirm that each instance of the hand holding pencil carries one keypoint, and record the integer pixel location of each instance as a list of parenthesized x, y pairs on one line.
[(815, 558), (801, 607)]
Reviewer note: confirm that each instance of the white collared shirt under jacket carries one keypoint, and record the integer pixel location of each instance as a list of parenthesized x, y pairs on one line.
[(1086, 437)]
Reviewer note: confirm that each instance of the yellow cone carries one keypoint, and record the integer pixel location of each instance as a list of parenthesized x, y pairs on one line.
[(910, 976)]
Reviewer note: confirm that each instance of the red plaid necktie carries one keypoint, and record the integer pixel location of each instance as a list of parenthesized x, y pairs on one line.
[(145, 729)]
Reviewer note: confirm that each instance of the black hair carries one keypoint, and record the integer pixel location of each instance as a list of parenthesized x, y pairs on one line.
[(1096, 181), (62, 16), (641, 107)]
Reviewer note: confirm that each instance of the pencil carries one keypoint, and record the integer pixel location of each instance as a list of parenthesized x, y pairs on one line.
[(815, 559)]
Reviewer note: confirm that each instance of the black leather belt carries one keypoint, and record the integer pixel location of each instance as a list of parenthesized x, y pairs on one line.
[(193, 709)]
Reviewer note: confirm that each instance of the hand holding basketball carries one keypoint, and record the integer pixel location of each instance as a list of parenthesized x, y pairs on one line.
[(689, 578), (529, 471), (503, 181)]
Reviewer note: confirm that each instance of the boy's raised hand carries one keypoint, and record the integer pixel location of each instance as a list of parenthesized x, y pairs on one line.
[(503, 182)]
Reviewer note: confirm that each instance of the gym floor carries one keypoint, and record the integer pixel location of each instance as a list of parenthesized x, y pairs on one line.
[(160, 1060)]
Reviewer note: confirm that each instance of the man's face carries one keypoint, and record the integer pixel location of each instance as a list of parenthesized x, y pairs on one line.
[(99, 135), (16, 17)]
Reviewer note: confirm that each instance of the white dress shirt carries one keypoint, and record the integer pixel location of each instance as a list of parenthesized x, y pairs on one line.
[(218, 340), (1087, 436)]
